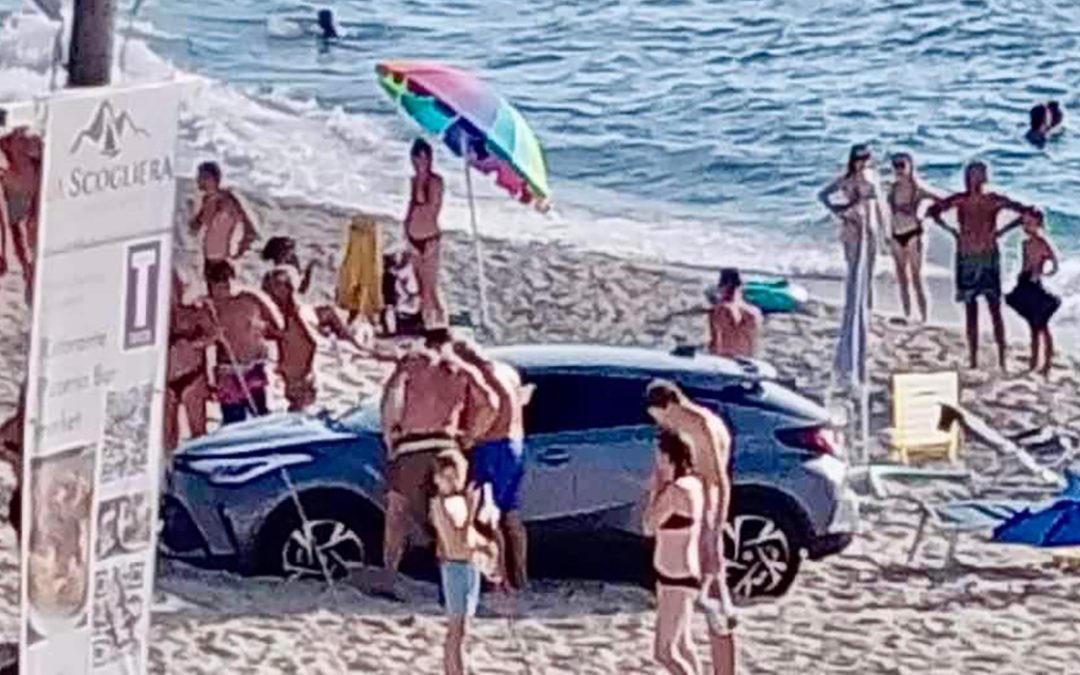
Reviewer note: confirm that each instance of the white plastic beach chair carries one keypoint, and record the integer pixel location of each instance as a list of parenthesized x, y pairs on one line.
[(917, 400)]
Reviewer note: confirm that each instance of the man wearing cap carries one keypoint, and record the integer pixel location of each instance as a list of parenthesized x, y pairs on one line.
[(734, 324)]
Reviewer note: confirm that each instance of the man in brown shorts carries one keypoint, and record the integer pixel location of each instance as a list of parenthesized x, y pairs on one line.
[(674, 411), (432, 402)]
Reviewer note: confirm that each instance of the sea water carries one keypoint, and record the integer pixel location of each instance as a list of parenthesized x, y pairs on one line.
[(688, 130)]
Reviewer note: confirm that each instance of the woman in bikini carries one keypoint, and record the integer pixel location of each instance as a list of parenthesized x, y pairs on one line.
[(674, 515), (906, 195), (423, 233)]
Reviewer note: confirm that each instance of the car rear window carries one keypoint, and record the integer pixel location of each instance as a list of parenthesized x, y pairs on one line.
[(578, 402)]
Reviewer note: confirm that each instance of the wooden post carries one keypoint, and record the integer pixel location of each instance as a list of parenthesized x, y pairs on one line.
[(91, 43)]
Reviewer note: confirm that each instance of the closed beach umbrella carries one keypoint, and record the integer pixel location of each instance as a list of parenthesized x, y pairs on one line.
[(476, 124)]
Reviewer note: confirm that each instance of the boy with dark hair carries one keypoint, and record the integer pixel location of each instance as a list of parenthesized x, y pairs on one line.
[(220, 214)]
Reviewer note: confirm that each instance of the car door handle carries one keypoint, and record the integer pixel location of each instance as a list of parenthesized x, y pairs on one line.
[(554, 457)]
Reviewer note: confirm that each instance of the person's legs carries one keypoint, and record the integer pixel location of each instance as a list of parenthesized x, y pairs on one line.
[(426, 263), (900, 257), (195, 399), (915, 257), (673, 613), (1036, 339), (454, 650), (258, 396), (1049, 351), (395, 535), (999, 330), (971, 319), (517, 548), (171, 422)]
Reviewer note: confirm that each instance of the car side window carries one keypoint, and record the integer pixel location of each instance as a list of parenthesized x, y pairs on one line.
[(575, 402)]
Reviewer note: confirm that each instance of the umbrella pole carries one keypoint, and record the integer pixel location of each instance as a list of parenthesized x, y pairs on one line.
[(477, 247)]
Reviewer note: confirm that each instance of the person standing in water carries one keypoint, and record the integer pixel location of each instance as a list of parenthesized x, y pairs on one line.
[(1030, 300), (220, 214), (978, 259), (734, 324), (423, 233), (906, 194)]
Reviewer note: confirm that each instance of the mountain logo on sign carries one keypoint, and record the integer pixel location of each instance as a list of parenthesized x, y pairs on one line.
[(107, 130)]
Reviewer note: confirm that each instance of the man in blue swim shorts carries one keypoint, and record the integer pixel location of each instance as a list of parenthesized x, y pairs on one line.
[(498, 458)]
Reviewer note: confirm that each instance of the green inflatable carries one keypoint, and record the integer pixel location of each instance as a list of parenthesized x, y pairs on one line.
[(771, 296)]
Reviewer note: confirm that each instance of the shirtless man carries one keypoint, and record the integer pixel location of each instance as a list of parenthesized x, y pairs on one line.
[(499, 457), (978, 260), (220, 214), (244, 322), (191, 331), (432, 402), (734, 324), (423, 233), (296, 343), (20, 186), (673, 411)]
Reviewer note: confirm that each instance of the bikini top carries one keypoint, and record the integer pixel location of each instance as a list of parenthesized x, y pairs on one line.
[(677, 521)]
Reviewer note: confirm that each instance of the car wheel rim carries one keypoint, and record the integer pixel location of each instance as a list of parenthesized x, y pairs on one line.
[(321, 547), (758, 555)]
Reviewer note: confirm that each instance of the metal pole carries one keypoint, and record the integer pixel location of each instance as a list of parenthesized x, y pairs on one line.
[(477, 246), (91, 43)]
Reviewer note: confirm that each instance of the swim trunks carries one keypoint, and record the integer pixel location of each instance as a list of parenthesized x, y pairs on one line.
[(978, 274), (502, 464)]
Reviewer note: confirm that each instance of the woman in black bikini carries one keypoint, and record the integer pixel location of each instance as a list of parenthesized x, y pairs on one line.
[(423, 233), (674, 516), (906, 194), (191, 331)]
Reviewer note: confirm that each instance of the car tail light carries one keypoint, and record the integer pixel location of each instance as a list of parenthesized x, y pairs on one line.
[(817, 440)]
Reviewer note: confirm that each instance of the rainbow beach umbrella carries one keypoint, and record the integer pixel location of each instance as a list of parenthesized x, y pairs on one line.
[(477, 125)]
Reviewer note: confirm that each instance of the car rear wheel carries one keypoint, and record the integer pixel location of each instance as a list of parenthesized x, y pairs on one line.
[(340, 535), (763, 550)]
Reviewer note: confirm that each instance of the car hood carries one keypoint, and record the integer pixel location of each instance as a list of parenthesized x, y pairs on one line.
[(266, 433)]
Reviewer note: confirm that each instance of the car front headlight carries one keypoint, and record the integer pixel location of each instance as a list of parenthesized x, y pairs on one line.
[(239, 470)]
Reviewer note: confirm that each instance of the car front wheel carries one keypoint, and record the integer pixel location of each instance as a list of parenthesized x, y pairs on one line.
[(763, 551), (338, 537)]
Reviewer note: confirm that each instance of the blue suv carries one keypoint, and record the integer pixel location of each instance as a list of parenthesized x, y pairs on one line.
[(234, 496)]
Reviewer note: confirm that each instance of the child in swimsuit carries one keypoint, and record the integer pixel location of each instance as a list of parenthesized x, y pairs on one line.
[(460, 547), (674, 515), (1030, 300)]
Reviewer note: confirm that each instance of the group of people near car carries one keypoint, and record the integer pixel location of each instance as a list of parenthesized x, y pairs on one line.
[(868, 213), (453, 421)]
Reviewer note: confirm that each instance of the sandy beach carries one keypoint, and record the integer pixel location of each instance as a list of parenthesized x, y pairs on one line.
[(1003, 610)]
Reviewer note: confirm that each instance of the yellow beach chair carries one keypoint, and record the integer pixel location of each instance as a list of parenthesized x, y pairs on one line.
[(915, 435)]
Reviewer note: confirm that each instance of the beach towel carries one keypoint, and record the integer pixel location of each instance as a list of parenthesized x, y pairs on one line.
[(360, 277)]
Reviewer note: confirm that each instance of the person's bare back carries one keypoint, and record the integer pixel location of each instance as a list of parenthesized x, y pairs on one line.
[(246, 322), (977, 215), (437, 392), (736, 329)]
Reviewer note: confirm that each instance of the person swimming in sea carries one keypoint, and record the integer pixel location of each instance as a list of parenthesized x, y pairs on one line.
[(1045, 120), (326, 25)]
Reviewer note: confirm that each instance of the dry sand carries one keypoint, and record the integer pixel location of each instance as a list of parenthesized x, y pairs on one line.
[(1005, 610)]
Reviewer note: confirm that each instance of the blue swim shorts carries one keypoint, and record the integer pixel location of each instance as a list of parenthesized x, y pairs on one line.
[(501, 463), (460, 587)]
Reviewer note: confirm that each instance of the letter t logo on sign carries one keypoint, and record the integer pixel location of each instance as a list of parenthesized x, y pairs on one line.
[(143, 279)]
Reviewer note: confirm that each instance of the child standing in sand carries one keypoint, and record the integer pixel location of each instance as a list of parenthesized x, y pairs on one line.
[(220, 214), (1030, 300), (453, 515)]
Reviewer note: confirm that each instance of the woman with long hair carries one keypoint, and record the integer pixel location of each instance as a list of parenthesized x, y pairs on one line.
[(423, 233), (674, 515), (906, 194)]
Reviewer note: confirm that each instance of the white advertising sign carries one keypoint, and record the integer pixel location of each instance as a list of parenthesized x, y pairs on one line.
[(96, 380)]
